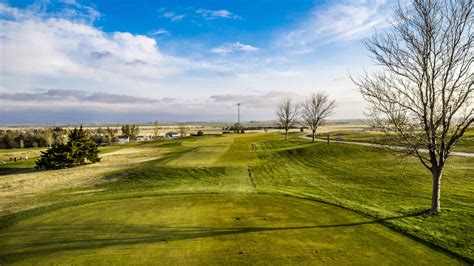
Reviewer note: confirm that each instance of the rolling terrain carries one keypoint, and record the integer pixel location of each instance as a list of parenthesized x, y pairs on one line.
[(250, 198)]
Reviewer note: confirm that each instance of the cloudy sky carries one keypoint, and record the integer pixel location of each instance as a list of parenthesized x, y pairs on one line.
[(74, 61)]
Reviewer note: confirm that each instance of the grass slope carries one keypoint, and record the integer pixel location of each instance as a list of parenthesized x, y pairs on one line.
[(204, 200), (378, 184)]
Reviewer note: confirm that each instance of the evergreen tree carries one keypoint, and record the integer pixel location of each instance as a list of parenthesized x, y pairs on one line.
[(80, 149)]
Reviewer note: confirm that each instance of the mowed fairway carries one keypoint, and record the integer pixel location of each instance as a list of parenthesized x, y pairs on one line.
[(209, 229), (249, 199)]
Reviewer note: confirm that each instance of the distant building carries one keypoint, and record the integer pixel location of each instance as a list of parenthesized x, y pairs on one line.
[(143, 138), (123, 140), (172, 135)]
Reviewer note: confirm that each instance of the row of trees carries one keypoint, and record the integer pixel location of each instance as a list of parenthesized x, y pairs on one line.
[(48, 137), (312, 112), (14, 139)]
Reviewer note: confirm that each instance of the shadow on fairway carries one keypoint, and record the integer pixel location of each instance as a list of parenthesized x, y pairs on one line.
[(56, 239)]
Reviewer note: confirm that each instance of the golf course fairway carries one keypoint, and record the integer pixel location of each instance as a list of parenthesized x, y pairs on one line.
[(236, 199), (208, 229)]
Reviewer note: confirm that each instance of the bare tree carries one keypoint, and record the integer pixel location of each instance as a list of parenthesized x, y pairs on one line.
[(316, 109), (110, 135), (48, 136), (287, 115), (423, 92), (156, 129), (183, 130)]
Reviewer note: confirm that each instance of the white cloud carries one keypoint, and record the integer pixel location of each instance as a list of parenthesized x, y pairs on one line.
[(339, 21), (160, 31), (213, 14), (228, 48), (75, 96), (173, 17), (66, 9), (49, 47), (91, 14), (39, 49)]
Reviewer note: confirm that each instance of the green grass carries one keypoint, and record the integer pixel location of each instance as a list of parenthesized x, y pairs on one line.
[(251, 198), (19, 165), (465, 144), (208, 229), (4, 151), (380, 185)]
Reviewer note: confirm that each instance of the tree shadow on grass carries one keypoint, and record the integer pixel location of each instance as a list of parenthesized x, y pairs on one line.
[(53, 239), (15, 170)]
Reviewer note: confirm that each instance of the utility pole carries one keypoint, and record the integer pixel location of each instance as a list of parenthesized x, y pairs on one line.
[(238, 114)]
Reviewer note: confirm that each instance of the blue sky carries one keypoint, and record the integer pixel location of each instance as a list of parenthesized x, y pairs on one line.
[(74, 61)]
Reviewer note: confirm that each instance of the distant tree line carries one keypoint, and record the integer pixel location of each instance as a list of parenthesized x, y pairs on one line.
[(236, 128), (33, 138), (105, 136), (130, 131), (48, 137)]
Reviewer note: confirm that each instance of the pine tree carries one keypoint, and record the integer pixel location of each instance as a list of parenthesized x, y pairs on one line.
[(80, 149)]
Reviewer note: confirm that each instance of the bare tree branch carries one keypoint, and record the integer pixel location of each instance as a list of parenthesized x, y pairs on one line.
[(183, 130), (316, 109), (424, 90), (287, 115)]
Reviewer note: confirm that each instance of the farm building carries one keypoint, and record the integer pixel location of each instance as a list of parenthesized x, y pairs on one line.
[(172, 134), (123, 140), (143, 138)]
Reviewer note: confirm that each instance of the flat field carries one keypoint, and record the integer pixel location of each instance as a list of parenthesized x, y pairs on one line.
[(237, 199)]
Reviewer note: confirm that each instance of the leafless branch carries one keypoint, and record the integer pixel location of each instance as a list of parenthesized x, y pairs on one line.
[(287, 115), (424, 90), (316, 109)]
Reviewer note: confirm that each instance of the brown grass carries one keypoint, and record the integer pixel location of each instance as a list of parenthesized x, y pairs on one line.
[(16, 189)]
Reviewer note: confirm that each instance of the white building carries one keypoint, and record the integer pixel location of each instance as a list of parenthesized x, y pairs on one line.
[(143, 138), (123, 140), (172, 135)]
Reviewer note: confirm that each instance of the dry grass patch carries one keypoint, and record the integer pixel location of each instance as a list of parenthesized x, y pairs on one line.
[(15, 189)]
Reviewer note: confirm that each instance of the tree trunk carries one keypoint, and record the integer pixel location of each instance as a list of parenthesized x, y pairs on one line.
[(314, 132), (435, 205), (286, 134)]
